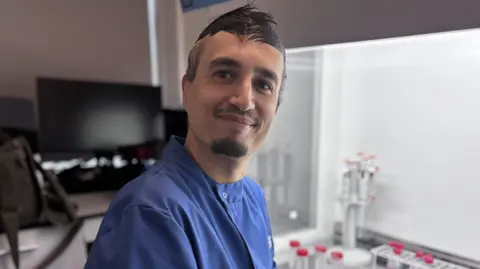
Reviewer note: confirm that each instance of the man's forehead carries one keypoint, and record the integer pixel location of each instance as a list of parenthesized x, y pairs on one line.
[(227, 45)]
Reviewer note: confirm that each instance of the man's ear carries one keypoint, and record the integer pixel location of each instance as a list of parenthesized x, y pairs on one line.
[(279, 100), (185, 86)]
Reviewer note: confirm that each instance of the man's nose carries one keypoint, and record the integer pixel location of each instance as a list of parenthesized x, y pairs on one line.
[(243, 97)]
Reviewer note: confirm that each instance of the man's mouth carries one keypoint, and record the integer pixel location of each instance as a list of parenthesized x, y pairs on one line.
[(238, 119)]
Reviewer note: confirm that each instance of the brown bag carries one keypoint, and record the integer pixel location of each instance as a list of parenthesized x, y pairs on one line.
[(31, 196)]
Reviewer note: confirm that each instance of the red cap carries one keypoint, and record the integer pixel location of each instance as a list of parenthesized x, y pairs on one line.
[(302, 252), (395, 244), (337, 255), (397, 251), (428, 259), (320, 248), (419, 254), (294, 243)]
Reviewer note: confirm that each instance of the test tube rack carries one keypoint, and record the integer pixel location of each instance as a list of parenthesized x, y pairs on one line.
[(407, 259)]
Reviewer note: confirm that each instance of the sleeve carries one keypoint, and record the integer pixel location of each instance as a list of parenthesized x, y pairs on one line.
[(144, 239)]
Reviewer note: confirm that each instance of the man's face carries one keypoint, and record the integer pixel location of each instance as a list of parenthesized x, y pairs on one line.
[(232, 101)]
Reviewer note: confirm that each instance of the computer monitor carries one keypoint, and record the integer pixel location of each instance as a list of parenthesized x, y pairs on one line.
[(81, 117), (17, 118), (176, 123)]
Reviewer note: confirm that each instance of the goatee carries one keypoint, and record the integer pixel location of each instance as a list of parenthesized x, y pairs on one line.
[(229, 147)]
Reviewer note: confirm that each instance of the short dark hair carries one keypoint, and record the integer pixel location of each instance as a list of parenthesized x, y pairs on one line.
[(246, 22)]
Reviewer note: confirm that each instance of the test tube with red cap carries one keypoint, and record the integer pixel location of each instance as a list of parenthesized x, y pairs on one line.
[(320, 257), (336, 259), (396, 244), (429, 261), (419, 255), (395, 261), (418, 262), (294, 245), (301, 262)]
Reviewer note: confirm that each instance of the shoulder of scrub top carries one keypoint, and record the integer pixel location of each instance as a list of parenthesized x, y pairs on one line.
[(157, 188)]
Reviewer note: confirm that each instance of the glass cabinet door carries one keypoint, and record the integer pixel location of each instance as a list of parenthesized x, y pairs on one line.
[(284, 165)]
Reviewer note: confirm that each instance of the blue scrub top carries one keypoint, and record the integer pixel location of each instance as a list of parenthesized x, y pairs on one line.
[(175, 217)]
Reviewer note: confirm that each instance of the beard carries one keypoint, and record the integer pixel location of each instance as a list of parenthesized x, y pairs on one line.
[(229, 148)]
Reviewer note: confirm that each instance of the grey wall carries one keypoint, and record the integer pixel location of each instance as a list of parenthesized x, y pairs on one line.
[(315, 22), (339, 21), (99, 40)]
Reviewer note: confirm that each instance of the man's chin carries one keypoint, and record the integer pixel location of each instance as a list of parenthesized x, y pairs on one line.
[(229, 147)]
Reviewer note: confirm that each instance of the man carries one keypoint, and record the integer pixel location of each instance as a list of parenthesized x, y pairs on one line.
[(195, 208)]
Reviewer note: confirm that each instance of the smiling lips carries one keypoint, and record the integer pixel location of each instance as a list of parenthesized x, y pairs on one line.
[(238, 119)]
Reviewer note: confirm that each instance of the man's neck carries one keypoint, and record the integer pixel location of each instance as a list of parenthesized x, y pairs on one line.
[(221, 168)]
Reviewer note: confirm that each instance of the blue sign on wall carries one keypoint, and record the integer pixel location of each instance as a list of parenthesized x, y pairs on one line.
[(189, 5)]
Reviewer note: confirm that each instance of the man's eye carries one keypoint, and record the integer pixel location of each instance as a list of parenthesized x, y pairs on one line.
[(224, 75), (263, 86)]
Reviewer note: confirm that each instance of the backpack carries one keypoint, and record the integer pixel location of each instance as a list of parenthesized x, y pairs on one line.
[(31, 196)]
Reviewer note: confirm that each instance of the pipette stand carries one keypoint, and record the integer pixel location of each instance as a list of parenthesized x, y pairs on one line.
[(355, 197)]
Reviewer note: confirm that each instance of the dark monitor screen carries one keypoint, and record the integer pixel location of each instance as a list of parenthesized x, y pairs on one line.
[(85, 116), (176, 123)]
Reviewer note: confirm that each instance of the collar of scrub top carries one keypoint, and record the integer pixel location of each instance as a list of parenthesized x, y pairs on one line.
[(175, 154)]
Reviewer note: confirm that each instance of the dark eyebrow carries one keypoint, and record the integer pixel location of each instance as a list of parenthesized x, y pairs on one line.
[(224, 62), (267, 73)]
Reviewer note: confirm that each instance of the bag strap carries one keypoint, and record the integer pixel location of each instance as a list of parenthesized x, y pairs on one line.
[(68, 206), (72, 232), (9, 214), (11, 225)]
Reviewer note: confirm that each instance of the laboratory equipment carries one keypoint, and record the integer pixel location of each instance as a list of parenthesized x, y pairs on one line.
[(275, 173), (395, 244), (419, 255), (356, 194), (294, 246), (336, 260), (408, 259), (395, 262), (320, 257), (429, 260), (368, 171), (302, 262)]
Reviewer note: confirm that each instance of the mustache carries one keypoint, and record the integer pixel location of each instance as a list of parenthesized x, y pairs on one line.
[(233, 110)]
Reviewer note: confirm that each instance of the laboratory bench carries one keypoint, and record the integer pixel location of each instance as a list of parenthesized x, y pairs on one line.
[(371, 240)]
